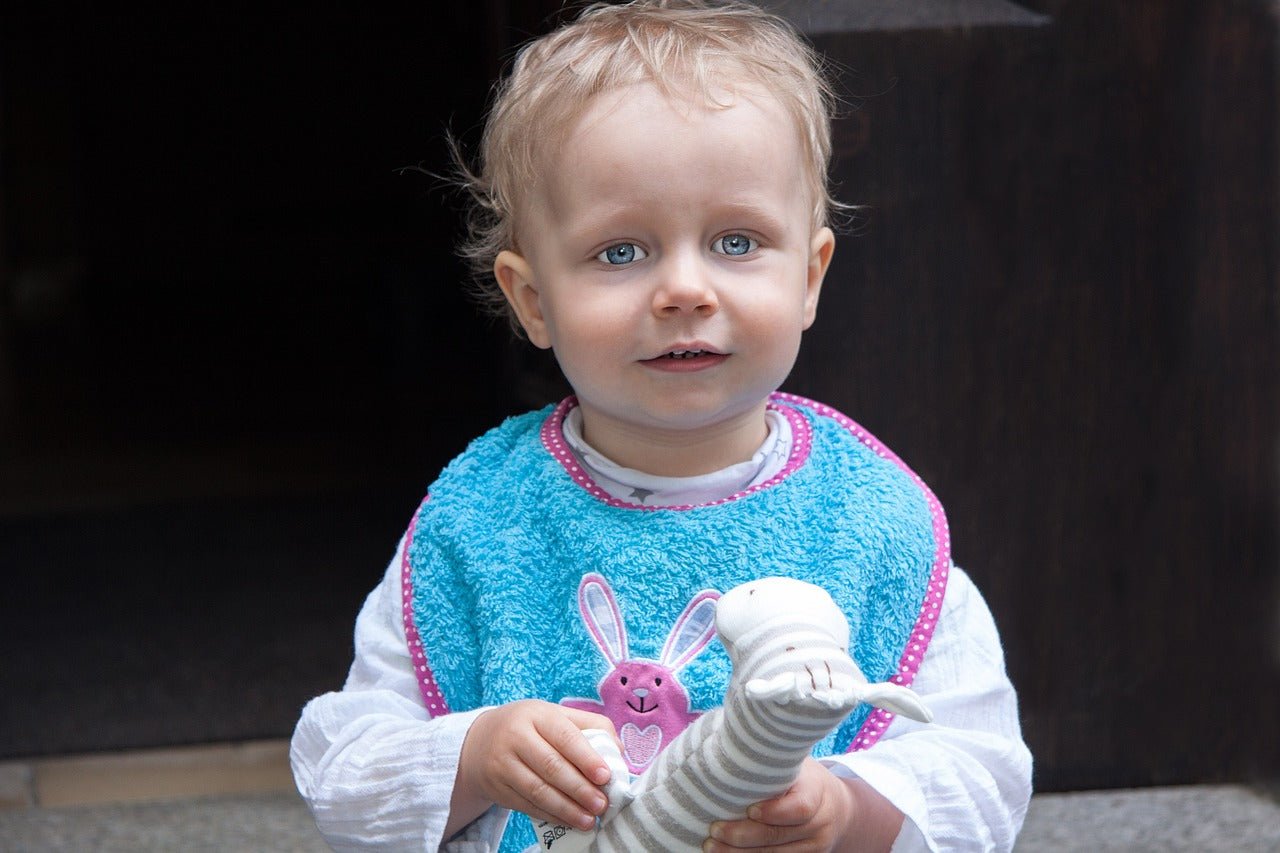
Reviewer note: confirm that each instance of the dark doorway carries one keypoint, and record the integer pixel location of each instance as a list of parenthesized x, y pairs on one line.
[(234, 350)]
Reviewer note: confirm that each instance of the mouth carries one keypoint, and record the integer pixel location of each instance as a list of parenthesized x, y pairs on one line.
[(684, 358), (642, 709)]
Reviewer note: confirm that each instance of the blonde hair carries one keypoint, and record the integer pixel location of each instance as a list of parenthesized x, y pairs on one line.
[(685, 48)]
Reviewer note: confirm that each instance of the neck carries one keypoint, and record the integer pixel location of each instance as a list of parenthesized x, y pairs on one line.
[(676, 452)]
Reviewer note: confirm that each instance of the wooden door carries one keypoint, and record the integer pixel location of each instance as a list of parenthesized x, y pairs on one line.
[(1061, 307)]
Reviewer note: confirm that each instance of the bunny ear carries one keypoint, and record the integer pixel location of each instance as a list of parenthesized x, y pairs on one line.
[(692, 631), (604, 619)]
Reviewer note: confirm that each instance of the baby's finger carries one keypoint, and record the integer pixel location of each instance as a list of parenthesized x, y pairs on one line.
[(794, 808), (569, 742), (587, 720), (544, 801), (545, 757), (749, 834), (518, 803)]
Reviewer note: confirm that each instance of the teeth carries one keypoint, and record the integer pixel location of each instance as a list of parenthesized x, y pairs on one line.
[(685, 353)]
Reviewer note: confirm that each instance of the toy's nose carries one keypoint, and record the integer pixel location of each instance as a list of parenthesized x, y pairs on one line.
[(640, 692)]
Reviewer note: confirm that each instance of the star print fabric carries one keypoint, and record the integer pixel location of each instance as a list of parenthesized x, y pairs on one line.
[(632, 486)]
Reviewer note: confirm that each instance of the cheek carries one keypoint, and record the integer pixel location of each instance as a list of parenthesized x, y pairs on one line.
[(590, 325), (777, 329)]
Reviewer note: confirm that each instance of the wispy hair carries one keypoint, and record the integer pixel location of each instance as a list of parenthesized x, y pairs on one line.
[(689, 49)]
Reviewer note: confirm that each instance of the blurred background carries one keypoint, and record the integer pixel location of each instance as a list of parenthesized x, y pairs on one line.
[(234, 349)]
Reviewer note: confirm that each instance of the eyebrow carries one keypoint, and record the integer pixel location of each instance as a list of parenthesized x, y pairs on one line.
[(746, 215), (754, 213)]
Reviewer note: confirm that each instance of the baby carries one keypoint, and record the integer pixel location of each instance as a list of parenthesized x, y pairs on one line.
[(652, 206)]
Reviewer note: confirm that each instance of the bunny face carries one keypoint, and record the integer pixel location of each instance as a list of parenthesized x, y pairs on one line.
[(642, 688), (644, 698)]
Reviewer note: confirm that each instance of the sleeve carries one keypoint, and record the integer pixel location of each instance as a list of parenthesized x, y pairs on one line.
[(964, 780), (375, 770)]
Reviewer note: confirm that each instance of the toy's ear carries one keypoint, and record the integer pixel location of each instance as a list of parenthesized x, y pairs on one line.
[(693, 630), (604, 620)]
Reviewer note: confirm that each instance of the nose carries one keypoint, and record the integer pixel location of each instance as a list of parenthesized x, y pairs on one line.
[(640, 692), (684, 287)]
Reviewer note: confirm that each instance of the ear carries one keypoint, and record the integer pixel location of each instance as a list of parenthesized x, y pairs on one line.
[(515, 277), (693, 630), (821, 248), (599, 609)]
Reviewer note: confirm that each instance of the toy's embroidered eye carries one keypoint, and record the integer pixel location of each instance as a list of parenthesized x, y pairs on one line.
[(624, 679), (657, 682), (734, 244), (621, 254)]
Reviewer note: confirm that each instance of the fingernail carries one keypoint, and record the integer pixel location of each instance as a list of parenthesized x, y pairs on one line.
[(717, 830), (587, 823), (754, 812), (598, 804), (601, 776)]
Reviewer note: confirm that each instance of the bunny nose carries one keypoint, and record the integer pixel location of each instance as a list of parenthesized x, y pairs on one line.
[(640, 692)]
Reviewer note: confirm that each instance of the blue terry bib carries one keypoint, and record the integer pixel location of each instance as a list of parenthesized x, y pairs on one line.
[(524, 580)]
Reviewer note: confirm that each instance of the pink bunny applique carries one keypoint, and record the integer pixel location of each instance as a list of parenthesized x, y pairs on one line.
[(643, 698)]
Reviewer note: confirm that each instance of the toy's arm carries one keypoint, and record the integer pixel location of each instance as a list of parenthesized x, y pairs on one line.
[(787, 687)]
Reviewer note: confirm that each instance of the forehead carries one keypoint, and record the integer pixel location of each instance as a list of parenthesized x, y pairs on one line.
[(642, 144)]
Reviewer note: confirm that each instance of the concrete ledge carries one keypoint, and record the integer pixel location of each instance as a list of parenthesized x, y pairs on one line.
[(258, 767), (16, 789)]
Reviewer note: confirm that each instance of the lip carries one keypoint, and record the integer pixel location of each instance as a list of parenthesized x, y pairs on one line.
[(708, 357)]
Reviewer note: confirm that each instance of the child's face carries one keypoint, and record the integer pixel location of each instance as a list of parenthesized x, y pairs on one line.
[(669, 260)]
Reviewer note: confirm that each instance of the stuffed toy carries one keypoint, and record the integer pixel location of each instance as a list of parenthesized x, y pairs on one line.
[(793, 681)]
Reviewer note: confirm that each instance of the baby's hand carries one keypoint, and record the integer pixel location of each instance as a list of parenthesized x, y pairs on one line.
[(820, 811), (531, 756)]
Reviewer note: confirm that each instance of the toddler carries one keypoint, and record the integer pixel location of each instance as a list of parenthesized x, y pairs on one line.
[(652, 206)]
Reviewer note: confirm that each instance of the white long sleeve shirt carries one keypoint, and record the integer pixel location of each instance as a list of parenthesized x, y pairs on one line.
[(378, 773)]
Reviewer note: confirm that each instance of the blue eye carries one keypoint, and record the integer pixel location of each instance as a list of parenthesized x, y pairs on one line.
[(621, 253), (734, 244)]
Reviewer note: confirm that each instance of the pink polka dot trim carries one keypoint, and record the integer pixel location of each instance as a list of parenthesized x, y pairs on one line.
[(431, 693), (553, 441), (922, 631)]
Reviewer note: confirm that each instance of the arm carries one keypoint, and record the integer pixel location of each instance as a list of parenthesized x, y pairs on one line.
[(372, 767), (377, 772), (964, 781)]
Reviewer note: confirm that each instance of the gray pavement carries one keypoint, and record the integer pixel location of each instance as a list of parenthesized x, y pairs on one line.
[(265, 822), (1193, 818)]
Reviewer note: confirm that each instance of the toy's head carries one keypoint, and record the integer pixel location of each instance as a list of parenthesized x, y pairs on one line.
[(751, 608)]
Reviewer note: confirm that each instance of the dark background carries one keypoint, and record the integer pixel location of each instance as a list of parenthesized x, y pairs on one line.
[(234, 350)]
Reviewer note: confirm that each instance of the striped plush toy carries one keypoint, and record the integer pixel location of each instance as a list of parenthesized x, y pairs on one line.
[(793, 682)]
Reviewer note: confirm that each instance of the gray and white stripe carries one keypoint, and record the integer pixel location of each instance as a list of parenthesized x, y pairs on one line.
[(793, 682)]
